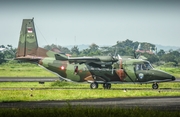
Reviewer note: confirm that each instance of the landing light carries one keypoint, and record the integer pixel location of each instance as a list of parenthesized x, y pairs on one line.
[(62, 67)]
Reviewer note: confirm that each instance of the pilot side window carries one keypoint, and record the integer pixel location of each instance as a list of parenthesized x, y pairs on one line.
[(148, 66), (141, 67)]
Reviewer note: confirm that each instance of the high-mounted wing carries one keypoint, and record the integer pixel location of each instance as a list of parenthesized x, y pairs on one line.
[(75, 60), (81, 60)]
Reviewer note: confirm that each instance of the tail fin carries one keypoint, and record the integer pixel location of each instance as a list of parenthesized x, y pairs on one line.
[(28, 44)]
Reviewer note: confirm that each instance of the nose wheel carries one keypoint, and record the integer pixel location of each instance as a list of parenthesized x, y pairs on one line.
[(155, 86)]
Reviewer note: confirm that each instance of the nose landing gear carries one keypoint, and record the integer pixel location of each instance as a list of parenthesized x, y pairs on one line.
[(155, 85)]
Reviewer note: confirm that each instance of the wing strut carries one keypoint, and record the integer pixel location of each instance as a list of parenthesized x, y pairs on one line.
[(129, 76)]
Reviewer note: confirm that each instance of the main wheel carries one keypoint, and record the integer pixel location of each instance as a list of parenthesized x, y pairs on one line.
[(107, 85), (155, 86), (94, 85)]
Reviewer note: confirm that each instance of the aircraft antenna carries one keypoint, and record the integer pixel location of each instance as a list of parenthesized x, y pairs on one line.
[(115, 51), (134, 52), (41, 33)]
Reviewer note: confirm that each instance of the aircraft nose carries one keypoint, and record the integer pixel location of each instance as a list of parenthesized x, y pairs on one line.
[(173, 78)]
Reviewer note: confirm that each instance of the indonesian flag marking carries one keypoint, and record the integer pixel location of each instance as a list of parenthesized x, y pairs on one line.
[(29, 30)]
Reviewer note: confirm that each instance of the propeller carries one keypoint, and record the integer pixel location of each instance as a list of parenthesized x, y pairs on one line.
[(119, 59), (135, 55), (115, 54)]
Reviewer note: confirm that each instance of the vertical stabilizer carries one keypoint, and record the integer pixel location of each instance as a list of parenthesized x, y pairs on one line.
[(28, 44)]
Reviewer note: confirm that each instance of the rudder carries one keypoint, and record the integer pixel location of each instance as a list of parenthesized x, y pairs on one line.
[(28, 44)]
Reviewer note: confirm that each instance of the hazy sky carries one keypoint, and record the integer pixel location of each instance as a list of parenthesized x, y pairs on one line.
[(92, 21)]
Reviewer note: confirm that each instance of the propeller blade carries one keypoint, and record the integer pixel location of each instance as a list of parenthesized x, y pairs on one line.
[(119, 57)]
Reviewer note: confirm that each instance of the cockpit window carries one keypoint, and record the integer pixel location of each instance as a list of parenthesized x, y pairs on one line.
[(148, 66), (143, 66)]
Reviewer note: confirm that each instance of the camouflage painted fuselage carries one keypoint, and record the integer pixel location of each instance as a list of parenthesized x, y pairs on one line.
[(90, 73)]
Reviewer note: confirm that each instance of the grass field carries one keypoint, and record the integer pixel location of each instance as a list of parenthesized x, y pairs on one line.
[(13, 69), (32, 91)]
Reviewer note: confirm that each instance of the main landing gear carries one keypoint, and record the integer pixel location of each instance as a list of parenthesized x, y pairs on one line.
[(155, 86), (106, 85), (94, 85)]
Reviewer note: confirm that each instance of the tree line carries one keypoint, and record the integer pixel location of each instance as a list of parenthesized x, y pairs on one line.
[(123, 48)]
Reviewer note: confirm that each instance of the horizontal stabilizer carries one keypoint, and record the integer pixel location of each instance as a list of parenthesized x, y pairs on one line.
[(61, 57)]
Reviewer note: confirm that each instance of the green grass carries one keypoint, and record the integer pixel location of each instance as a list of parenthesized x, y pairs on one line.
[(87, 112), (32, 91), (72, 94), (13, 69)]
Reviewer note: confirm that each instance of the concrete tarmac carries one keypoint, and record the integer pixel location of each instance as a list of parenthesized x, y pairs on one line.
[(161, 103)]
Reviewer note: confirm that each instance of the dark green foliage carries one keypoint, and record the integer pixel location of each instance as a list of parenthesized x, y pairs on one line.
[(8, 53), (1, 57), (80, 111), (93, 47), (173, 56), (161, 53), (123, 48), (58, 47), (75, 51), (152, 58)]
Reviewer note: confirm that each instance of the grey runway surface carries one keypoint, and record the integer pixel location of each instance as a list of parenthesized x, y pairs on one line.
[(162, 103)]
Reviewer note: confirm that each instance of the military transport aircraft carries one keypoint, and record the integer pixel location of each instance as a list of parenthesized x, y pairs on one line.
[(95, 70)]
